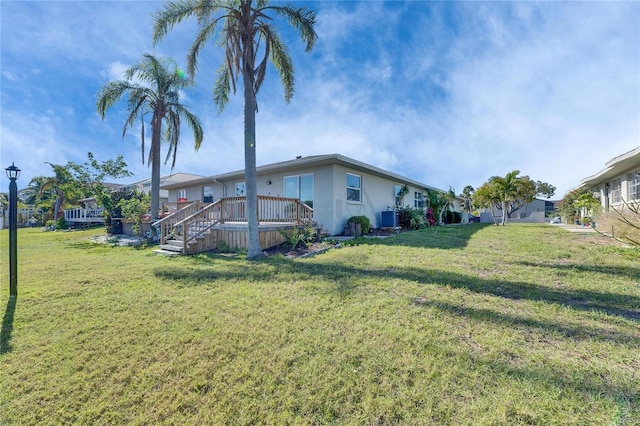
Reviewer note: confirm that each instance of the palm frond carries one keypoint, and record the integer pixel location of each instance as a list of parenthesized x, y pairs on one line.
[(302, 19), (282, 62), (173, 13), (222, 87)]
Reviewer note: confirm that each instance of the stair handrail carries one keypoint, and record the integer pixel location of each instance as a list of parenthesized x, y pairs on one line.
[(168, 228), (202, 214)]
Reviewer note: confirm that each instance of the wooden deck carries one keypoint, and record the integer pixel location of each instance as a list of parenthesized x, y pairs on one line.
[(83, 216), (199, 227)]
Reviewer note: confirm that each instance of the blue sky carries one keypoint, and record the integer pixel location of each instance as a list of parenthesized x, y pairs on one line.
[(447, 93)]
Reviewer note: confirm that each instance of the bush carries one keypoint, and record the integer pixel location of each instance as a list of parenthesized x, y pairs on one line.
[(297, 236), (412, 218), (452, 217), (365, 224), (61, 223)]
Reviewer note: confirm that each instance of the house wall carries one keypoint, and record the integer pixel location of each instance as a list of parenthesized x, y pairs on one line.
[(533, 212), (608, 197), (331, 209), (378, 195)]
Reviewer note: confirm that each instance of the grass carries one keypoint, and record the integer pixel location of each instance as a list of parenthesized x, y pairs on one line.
[(515, 325)]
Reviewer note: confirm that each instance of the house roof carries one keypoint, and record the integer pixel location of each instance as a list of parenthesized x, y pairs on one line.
[(613, 168), (301, 163), (167, 179)]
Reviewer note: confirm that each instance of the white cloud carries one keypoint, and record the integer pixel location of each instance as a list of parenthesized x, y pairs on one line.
[(446, 93)]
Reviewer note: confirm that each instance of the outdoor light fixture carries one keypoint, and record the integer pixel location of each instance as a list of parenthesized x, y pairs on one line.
[(12, 173)]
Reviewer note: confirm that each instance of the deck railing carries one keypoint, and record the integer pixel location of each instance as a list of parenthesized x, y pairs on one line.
[(84, 215), (167, 224), (195, 219)]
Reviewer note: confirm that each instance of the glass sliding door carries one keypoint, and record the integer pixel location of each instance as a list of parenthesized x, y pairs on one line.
[(300, 187)]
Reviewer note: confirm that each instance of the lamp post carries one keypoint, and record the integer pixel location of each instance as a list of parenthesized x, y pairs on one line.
[(12, 173)]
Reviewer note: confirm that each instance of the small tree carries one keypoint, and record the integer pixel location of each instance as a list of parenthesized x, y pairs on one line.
[(467, 196), (132, 208), (567, 207)]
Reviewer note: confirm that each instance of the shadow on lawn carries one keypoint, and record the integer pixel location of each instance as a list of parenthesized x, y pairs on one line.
[(7, 325), (625, 271), (347, 278), (343, 280), (440, 237), (581, 332)]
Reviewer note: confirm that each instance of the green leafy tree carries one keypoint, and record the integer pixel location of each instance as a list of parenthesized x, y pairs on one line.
[(467, 196), (63, 186), (89, 178), (132, 208), (567, 207), (153, 88), (245, 29), (447, 203), (510, 193)]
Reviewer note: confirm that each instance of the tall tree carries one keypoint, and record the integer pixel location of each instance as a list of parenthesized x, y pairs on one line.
[(245, 29), (60, 184), (153, 88), (467, 196)]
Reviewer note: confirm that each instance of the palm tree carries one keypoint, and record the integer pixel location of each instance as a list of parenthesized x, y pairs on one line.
[(157, 93), (245, 30), (57, 186), (507, 189)]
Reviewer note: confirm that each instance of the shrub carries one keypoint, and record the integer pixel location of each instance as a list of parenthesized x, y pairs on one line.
[(298, 236), (412, 218), (431, 217), (365, 224), (452, 217), (61, 223)]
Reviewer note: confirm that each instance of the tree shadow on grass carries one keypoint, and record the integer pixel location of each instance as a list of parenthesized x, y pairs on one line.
[(7, 325), (440, 237), (582, 332), (347, 278), (625, 271), (343, 280)]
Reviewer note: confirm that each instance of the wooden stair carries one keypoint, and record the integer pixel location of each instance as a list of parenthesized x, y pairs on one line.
[(197, 227)]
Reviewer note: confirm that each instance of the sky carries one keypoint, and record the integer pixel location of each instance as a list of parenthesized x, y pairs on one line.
[(445, 93)]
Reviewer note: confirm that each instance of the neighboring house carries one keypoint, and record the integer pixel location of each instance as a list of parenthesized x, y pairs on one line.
[(144, 186), (618, 182), (335, 186), (90, 213)]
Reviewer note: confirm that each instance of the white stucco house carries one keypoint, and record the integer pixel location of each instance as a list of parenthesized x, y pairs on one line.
[(618, 182), (335, 186)]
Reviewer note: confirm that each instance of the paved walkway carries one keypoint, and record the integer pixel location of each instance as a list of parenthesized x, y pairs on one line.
[(574, 228)]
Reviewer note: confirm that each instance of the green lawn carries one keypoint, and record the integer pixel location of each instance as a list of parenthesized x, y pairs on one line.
[(468, 325)]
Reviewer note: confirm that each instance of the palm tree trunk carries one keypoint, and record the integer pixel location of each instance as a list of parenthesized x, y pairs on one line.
[(156, 138), (58, 205), (254, 251), (504, 213)]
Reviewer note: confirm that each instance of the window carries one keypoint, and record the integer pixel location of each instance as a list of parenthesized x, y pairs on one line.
[(300, 187), (616, 192), (418, 200), (241, 189), (182, 195), (397, 191), (207, 194), (634, 185), (354, 188)]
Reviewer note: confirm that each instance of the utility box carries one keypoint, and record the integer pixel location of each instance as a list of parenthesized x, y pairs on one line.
[(390, 219)]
